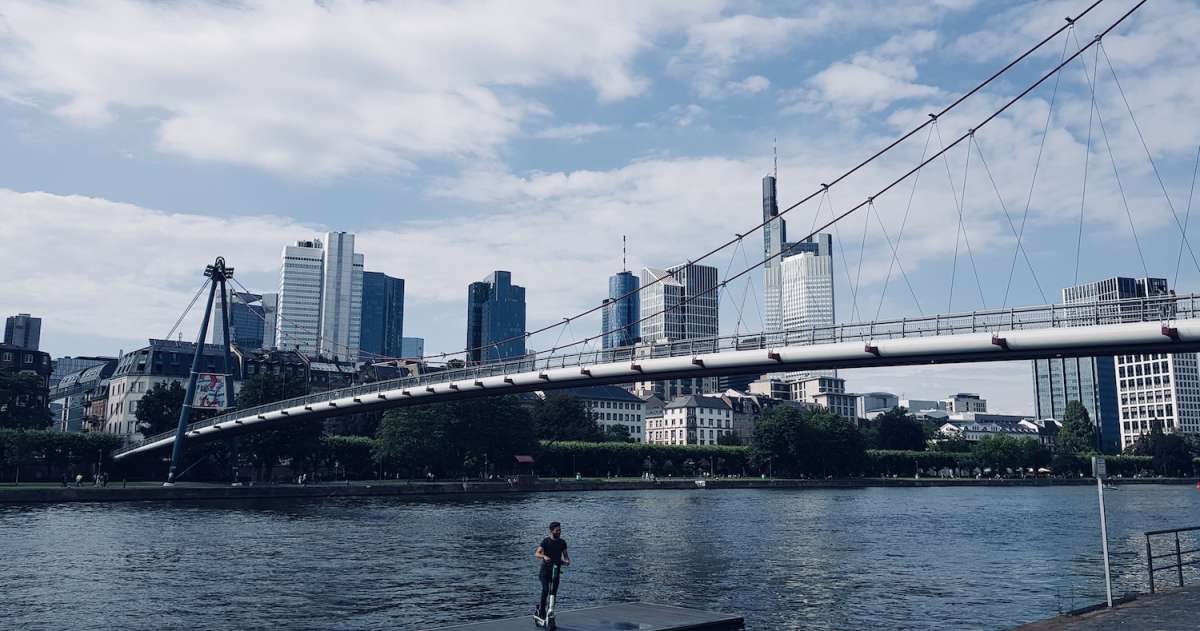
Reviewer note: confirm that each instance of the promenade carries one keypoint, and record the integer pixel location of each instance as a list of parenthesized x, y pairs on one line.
[(154, 491), (1170, 610)]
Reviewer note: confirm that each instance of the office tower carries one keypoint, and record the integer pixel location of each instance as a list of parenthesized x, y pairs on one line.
[(620, 315), (341, 297), (382, 317), (1092, 380), (245, 321), (495, 318), (682, 306), (412, 347), (270, 305), (320, 297), (774, 236), (23, 330), (806, 285)]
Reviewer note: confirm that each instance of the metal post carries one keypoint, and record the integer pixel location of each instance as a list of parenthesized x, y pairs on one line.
[(1178, 559), (185, 412), (1104, 540), (1150, 563)]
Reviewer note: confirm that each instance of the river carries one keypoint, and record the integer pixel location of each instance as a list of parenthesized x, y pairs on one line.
[(894, 558)]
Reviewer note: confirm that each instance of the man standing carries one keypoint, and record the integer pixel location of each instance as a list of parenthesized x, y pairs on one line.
[(552, 552)]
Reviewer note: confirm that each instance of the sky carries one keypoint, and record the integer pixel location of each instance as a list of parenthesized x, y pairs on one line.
[(141, 139)]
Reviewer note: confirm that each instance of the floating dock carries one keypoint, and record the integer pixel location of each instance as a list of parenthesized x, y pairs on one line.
[(622, 617)]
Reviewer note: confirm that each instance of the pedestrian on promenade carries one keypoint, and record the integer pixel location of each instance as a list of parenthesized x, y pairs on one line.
[(78, 480), (552, 552)]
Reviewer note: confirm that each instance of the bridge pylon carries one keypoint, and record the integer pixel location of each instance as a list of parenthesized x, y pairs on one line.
[(217, 273)]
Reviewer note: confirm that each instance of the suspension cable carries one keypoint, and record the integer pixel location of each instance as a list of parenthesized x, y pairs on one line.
[(1087, 158), (899, 236), (1011, 225), (1187, 215), (188, 308)]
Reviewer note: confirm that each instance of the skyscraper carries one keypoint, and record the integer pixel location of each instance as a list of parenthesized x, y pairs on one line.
[(412, 348), (682, 306), (382, 316), (620, 315), (806, 284), (774, 236), (23, 330), (1093, 381), (270, 305), (495, 318), (320, 297), (245, 321)]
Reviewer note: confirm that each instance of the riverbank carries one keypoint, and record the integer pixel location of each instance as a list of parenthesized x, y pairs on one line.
[(153, 491)]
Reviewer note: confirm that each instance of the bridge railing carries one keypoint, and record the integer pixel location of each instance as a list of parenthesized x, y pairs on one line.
[(1159, 308)]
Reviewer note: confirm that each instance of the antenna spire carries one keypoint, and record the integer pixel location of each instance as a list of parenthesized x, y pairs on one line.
[(624, 265), (775, 153)]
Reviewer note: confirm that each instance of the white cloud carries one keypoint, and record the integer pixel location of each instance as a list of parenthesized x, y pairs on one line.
[(574, 132), (750, 85), (318, 89)]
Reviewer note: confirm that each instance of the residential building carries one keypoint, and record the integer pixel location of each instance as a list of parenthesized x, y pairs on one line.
[(23, 330), (964, 402), (138, 371), (621, 311), (64, 366), (973, 431), (382, 329), (495, 318), (874, 403), (320, 297), (668, 389), (412, 347), (20, 360), (71, 398), (246, 320), (691, 420), (827, 392), (612, 406), (746, 409)]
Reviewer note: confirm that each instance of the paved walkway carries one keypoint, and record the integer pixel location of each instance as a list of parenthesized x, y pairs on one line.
[(1164, 611)]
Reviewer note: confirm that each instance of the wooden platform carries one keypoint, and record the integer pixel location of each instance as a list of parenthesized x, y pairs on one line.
[(622, 617)]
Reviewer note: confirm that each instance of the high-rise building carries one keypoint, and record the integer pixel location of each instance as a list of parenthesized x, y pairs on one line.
[(1157, 389), (1091, 380), (774, 237), (682, 306), (806, 285), (245, 321), (412, 347), (622, 309), (495, 318), (270, 307), (382, 316), (320, 297), (23, 330)]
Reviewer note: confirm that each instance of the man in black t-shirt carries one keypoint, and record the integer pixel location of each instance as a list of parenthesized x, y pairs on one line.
[(552, 551)]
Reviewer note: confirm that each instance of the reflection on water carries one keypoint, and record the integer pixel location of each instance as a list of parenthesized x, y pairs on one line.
[(961, 558)]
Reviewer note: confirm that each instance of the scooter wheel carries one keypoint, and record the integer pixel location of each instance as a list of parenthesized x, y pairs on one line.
[(550, 626)]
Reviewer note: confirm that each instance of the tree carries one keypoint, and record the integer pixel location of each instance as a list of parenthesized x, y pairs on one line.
[(1169, 452), (951, 443), (1078, 434), (564, 417), (457, 437), (19, 396), (296, 441), (617, 434), (730, 439), (810, 442), (897, 429), (1002, 452), (158, 410)]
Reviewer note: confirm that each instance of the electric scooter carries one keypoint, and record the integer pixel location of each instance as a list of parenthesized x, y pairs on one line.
[(548, 621)]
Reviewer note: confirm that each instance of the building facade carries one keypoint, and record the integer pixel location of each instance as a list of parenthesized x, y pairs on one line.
[(23, 330), (341, 297), (1157, 389), (18, 360), (246, 320), (320, 297), (612, 406), (870, 403), (412, 347), (137, 372), (827, 392), (964, 402), (382, 329), (495, 318), (1091, 381), (679, 305), (621, 311), (71, 399), (270, 309), (692, 420), (63, 366)]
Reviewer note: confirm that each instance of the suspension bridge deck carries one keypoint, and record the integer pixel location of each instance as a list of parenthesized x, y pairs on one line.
[(641, 616)]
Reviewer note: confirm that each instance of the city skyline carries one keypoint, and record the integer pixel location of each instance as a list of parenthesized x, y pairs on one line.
[(676, 129)]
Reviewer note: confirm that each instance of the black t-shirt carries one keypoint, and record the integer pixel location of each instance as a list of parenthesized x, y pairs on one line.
[(554, 548)]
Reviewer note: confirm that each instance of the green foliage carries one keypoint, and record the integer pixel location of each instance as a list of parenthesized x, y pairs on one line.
[(1170, 454), (564, 417), (951, 444), (881, 462), (795, 443), (1002, 452), (897, 429), (350, 457), (729, 439), (617, 434), (19, 407), (297, 442), (457, 438), (629, 459), (1078, 434), (58, 452), (158, 410)]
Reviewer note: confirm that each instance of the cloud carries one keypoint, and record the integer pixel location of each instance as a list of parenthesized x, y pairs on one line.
[(574, 133), (316, 89), (750, 85)]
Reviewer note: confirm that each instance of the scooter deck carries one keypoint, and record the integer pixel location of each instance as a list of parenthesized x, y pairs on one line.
[(641, 616)]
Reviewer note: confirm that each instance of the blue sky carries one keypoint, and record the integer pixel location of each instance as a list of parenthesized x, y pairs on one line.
[(138, 140)]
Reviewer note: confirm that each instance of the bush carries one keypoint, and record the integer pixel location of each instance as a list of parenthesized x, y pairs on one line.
[(631, 459), (47, 455)]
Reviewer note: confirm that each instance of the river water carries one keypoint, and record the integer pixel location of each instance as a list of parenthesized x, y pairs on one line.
[(933, 558)]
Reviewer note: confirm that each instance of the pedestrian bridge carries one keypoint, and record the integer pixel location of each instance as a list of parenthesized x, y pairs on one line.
[(1144, 325)]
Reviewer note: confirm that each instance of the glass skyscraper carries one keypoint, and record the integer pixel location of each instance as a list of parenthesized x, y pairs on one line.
[(620, 314), (382, 327), (245, 321), (495, 318)]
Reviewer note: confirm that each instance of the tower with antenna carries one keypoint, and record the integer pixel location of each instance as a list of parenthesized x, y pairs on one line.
[(622, 307)]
